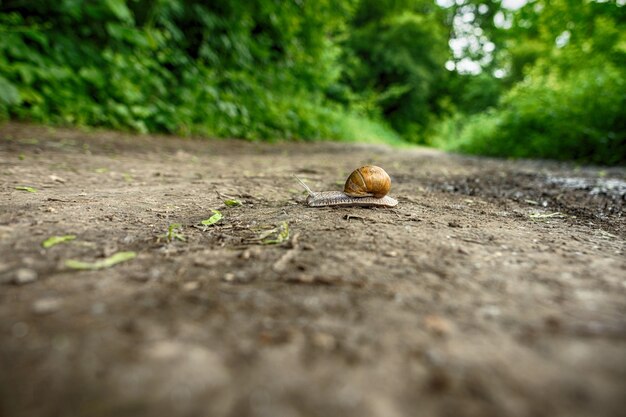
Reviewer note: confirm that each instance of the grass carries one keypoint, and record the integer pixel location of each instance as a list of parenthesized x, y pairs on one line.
[(355, 128)]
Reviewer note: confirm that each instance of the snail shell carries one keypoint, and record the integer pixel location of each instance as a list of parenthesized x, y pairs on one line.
[(365, 187), (368, 181)]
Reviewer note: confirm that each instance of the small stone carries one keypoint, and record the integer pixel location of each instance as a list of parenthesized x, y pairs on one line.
[(239, 277), (489, 312), (324, 340), (46, 305), (437, 325), (250, 253), (57, 179), (454, 223), (25, 276), (128, 239), (391, 254), (191, 286)]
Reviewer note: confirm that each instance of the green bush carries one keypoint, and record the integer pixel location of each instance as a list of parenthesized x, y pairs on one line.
[(250, 69), (578, 116)]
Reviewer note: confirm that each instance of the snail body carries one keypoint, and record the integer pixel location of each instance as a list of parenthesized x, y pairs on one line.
[(338, 198), (365, 187)]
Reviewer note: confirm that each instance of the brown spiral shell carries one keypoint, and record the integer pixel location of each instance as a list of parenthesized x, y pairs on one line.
[(368, 181)]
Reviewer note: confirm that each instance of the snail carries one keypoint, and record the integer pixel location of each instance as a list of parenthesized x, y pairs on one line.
[(365, 187)]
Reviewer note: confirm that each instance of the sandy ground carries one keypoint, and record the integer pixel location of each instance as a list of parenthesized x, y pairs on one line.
[(494, 288)]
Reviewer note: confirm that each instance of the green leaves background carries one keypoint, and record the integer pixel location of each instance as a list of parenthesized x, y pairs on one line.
[(369, 70)]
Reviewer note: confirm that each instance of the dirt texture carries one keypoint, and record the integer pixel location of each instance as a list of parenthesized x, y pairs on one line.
[(494, 288)]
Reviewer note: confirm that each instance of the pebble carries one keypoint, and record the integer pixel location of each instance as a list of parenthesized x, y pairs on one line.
[(391, 254), (489, 312), (46, 305), (250, 253), (241, 277), (324, 340), (128, 239), (191, 286), (25, 276), (437, 325), (56, 179)]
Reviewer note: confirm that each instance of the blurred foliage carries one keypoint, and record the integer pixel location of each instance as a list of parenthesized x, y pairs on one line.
[(563, 93), (551, 82), (551, 116), (394, 58), (252, 69)]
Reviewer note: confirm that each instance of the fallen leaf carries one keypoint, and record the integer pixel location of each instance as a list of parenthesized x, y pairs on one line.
[(232, 203), (216, 217), (55, 240), (29, 189), (104, 263)]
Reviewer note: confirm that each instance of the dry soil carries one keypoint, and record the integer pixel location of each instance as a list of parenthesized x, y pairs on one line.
[(494, 288)]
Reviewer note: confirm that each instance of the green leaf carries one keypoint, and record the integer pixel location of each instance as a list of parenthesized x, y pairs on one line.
[(233, 203), (120, 10), (173, 234), (29, 189), (216, 217), (281, 234), (104, 263), (55, 240), (9, 95)]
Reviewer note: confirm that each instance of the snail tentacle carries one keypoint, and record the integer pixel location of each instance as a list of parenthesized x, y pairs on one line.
[(306, 187)]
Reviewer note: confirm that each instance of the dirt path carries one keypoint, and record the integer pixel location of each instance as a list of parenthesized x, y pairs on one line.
[(495, 288)]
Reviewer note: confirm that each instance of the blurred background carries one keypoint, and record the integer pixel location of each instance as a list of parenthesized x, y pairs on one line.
[(516, 78)]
